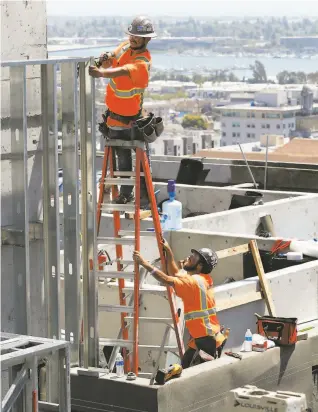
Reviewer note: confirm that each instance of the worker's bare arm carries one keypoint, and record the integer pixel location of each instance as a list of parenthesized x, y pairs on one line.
[(172, 267), (108, 73), (157, 274)]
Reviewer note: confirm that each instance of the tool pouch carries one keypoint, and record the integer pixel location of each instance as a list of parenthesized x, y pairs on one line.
[(102, 127), (148, 128), (282, 331)]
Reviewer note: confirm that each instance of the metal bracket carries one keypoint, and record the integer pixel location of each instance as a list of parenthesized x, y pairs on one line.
[(11, 235)]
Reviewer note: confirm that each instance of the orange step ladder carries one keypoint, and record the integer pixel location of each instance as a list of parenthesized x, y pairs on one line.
[(130, 312)]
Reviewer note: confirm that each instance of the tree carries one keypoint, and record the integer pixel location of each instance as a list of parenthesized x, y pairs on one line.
[(198, 78), (283, 77), (194, 121), (313, 77), (286, 77), (233, 78), (259, 72)]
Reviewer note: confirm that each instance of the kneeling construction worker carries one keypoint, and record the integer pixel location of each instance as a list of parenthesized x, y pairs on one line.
[(195, 288), (128, 68)]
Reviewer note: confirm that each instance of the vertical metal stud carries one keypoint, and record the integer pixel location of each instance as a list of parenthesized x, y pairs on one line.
[(51, 226), (70, 163), (64, 381), (88, 154), (20, 210)]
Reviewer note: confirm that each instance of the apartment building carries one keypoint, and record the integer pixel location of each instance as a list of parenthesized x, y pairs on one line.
[(271, 112)]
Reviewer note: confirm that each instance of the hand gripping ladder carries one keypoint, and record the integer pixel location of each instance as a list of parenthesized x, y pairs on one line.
[(122, 238)]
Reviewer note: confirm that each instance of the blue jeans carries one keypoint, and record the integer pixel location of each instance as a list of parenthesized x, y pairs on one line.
[(124, 161)]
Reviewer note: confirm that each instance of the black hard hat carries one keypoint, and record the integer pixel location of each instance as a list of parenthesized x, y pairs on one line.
[(141, 26), (208, 258)]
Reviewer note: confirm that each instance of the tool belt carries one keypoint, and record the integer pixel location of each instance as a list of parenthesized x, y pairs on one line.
[(124, 119), (146, 129), (282, 331)]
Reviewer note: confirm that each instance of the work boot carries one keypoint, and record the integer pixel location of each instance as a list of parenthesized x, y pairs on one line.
[(121, 199)]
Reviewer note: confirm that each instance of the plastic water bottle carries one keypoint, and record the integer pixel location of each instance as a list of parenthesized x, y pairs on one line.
[(119, 365), (172, 209), (248, 341)]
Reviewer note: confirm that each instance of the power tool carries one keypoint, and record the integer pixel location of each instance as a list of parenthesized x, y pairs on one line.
[(164, 375), (106, 56)]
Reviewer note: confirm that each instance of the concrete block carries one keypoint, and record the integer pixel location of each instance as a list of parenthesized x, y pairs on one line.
[(23, 24)]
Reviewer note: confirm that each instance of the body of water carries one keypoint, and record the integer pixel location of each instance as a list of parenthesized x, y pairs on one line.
[(175, 61)]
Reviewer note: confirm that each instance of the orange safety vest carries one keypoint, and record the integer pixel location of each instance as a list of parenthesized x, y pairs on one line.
[(124, 94), (200, 311)]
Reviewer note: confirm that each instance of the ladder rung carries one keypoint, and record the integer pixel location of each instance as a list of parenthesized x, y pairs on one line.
[(155, 289), (127, 174), (122, 143), (150, 320), (157, 347), (121, 261), (116, 240), (115, 342), (116, 308), (128, 344), (120, 181), (113, 207), (114, 274), (143, 233)]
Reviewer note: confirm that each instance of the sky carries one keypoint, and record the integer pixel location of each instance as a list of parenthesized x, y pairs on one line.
[(182, 8)]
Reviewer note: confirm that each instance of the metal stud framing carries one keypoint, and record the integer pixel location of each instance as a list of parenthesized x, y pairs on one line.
[(51, 224), (70, 80), (21, 353), (88, 226), (70, 164), (20, 209)]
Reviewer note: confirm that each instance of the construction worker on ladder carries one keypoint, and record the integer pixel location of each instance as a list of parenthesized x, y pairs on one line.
[(195, 288), (128, 70)]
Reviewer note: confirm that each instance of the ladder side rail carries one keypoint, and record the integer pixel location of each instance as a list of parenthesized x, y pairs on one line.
[(136, 265), (157, 226)]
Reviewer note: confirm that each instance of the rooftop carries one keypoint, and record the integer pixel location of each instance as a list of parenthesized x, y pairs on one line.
[(249, 107), (296, 151)]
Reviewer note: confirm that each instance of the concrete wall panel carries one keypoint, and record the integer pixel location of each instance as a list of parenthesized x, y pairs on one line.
[(292, 218), (222, 172), (182, 242), (209, 199), (286, 369)]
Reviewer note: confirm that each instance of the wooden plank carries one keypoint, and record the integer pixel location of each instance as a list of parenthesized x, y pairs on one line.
[(143, 214), (262, 278), (232, 251)]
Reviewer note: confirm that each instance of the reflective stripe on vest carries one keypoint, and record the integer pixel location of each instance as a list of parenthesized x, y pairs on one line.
[(122, 51), (198, 314), (144, 59), (125, 94), (204, 312)]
